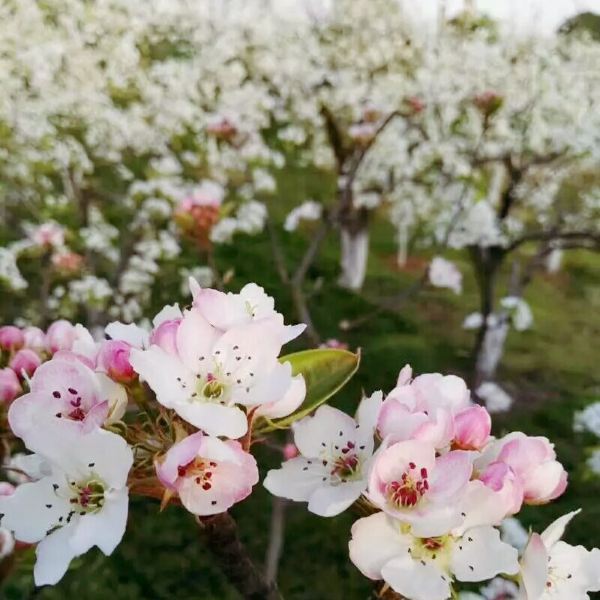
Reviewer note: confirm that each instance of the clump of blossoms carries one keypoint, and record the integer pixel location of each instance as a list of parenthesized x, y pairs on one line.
[(168, 412), (435, 486)]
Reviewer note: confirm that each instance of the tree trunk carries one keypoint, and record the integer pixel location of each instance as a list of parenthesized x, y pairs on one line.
[(486, 262), (221, 536), (491, 350), (354, 249)]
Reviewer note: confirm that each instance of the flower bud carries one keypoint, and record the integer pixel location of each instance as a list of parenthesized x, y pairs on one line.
[(6, 489), (165, 336), (113, 358), (533, 460), (25, 361), (11, 338), (472, 428), (60, 336), (10, 387), (35, 338), (290, 451)]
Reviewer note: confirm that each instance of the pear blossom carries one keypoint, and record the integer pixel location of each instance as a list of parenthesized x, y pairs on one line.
[(520, 312), (25, 362), (408, 482), (79, 501), (443, 273), (335, 454), (533, 460), (423, 408), (215, 372), (424, 568), (209, 475), (64, 389), (60, 336), (34, 338), (11, 337), (251, 304), (48, 235), (307, 211), (472, 428), (113, 359), (553, 569), (495, 398), (10, 386)]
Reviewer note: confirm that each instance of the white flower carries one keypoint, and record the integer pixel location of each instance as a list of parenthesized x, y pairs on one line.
[(443, 273), (495, 398), (307, 211), (553, 570), (213, 372), (424, 568), (335, 454), (81, 502), (520, 312)]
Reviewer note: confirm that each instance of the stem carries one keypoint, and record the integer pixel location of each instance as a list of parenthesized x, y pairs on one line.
[(276, 537), (220, 533)]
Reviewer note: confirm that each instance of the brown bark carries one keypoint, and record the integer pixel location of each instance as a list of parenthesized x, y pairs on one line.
[(220, 534)]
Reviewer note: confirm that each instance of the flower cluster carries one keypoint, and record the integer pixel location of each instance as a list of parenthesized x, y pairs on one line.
[(166, 412), (436, 487)]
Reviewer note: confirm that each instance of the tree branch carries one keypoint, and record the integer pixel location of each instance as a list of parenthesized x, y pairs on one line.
[(221, 536)]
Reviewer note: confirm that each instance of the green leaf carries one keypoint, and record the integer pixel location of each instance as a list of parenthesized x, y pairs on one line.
[(325, 371)]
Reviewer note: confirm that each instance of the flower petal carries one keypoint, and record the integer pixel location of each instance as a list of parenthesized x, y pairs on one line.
[(375, 541)]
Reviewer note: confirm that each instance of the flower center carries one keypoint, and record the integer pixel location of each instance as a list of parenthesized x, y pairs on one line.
[(407, 492), (212, 389), (74, 408), (201, 470), (88, 496)]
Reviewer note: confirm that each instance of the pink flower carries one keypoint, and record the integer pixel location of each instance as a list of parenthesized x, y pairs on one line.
[(34, 338), (423, 408), (113, 359), (67, 262), (208, 474), (25, 361), (472, 428), (500, 478), (10, 387), (48, 235), (60, 336), (533, 460), (409, 483), (11, 338), (65, 389), (165, 335), (6, 489)]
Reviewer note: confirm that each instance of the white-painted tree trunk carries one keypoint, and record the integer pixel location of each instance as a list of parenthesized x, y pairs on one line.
[(492, 350), (355, 253), (402, 239)]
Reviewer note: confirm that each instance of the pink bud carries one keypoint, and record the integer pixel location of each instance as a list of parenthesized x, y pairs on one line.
[(290, 451), (25, 360), (533, 460), (11, 338), (165, 336), (472, 428), (10, 387), (60, 336), (6, 489), (35, 338), (113, 358)]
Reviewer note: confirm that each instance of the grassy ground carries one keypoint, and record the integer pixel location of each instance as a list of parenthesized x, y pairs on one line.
[(552, 370)]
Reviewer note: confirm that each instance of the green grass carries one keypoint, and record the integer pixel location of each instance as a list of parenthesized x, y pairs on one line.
[(552, 370)]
